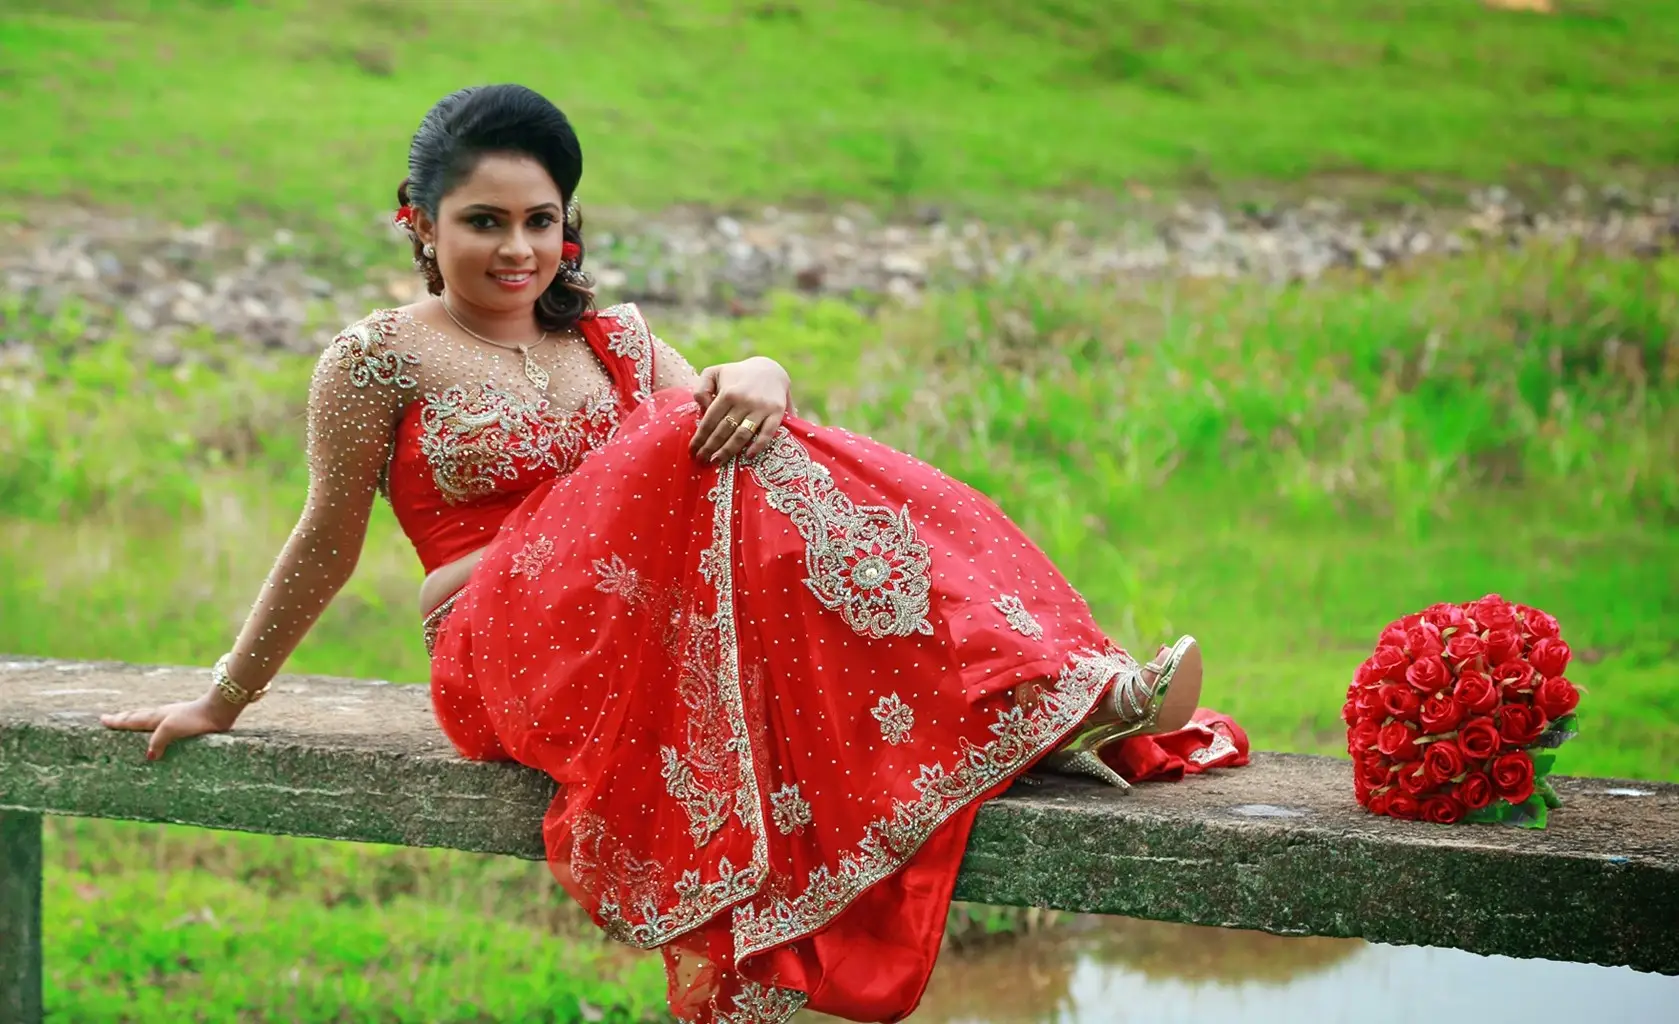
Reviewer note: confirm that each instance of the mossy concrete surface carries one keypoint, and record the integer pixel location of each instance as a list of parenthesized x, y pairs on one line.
[(1279, 845)]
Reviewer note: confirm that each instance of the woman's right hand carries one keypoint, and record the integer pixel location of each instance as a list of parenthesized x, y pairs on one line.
[(171, 722)]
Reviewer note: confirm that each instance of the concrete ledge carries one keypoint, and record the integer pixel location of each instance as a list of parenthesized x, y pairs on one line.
[(1278, 846)]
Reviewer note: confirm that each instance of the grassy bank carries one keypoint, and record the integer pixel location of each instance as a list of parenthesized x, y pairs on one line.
[(302, 108)]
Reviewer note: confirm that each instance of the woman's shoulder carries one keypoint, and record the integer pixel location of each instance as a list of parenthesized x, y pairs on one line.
[(376, 350)]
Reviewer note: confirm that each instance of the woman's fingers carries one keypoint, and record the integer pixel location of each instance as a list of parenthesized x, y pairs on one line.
[(714, 431), (142, 720), (765, 435)]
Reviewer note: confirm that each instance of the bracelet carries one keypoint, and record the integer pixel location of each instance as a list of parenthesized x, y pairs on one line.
[(232, 691)]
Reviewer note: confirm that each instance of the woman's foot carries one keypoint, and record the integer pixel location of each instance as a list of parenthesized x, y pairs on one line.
[(1160, 696)]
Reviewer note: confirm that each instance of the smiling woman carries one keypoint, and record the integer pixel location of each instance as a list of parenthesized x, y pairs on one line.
[(860, 648)]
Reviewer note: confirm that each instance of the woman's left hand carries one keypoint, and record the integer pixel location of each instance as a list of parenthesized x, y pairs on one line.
[(744, 404)]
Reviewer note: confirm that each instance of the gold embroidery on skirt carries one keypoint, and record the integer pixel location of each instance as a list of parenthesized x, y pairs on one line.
[(865, 561)]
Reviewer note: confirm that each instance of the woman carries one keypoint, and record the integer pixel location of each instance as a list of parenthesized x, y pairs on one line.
[(774, 668)]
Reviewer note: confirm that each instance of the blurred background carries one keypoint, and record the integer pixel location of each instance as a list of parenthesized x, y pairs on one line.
[(1269, 319)]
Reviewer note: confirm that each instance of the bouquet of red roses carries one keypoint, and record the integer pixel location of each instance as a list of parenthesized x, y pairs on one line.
[(1456, 714)]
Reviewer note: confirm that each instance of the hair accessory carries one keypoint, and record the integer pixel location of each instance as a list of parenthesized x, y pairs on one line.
[(404, 218), (571, 252), (573, 212)]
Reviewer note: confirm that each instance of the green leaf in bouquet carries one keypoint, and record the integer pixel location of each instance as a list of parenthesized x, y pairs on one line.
[(1531, 814), (1557, 733), (1542, 764), (1495, 813), (1545, 791)]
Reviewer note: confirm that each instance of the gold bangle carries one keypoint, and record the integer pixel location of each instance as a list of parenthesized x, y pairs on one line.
[(232, 691)]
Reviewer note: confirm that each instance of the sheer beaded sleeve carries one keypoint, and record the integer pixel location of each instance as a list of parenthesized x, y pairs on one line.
[(360, 385), (670, 369)]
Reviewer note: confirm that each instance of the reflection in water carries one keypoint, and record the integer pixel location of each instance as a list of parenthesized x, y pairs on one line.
[(1097, 970)]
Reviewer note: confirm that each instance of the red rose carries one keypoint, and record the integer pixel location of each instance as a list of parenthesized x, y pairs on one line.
[(1503, 644), (1537, 623), (1401, 702), (1379, 802), (1397, 741), (1368, 704), (1441, 713), (1402, 806), (1374, 771), (1393, 635), (1478, 738), (570, 252), (1428, 674), (1444, 617), (1465, 647), (1556, 697), (1493, 612), (1549, 657), (1512, 776), (1442, 809), (1442, 762), (1476, 692), (1361, 790), (1413, 782), (1519, 724), (1361, 738), (1391, 661), (1475, 791), (1423, 641), (1512, 674)]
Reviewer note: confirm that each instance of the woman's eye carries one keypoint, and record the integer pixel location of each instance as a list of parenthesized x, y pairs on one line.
[(542, 220), (482, 221)]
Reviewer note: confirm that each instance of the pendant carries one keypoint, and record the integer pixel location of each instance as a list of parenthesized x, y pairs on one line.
[(534, 373)]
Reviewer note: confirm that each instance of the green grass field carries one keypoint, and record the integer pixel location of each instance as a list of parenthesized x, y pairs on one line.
[(1280, 471), (303, 108)]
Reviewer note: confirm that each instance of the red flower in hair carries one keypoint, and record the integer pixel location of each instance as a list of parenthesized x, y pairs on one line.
[(571, 252), (404, 218)]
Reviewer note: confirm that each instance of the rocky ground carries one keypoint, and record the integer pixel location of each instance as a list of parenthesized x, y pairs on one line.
[(94, 271)]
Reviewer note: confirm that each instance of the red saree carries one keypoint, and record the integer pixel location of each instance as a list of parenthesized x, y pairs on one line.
[(773, 694)]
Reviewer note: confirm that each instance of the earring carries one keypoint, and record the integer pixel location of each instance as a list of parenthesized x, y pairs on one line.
[(429, 251)]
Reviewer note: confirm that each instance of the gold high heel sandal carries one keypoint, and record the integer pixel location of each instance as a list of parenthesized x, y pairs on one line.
[(1131, 705)]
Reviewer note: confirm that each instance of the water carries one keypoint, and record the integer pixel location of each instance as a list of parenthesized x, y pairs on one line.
[(1102, 970)]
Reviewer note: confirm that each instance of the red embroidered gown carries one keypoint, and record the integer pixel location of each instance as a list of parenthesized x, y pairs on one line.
[(773, 693)]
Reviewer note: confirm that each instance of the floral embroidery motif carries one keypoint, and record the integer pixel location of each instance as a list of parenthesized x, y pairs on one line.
[(618, 578), (1219, 747), (865, 562), (763, 1004), (596, 861), (790, 810), (634, 341), (363, 353), (1019, 619), (476, 436), (708, 809), (530, 560), (896, 719), (888, 842)]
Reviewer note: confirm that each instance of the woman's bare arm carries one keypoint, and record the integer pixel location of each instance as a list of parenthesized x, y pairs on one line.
[(353, 402)]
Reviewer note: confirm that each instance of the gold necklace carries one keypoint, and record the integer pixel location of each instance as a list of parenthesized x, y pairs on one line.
[(533, 373)]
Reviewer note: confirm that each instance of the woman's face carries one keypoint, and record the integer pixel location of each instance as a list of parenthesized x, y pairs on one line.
[(498, 234)]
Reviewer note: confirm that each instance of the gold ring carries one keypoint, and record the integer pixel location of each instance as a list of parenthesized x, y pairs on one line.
[(751, 428), (733, 423)]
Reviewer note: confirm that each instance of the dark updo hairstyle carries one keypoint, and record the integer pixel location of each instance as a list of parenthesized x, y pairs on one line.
[(466, 125)]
